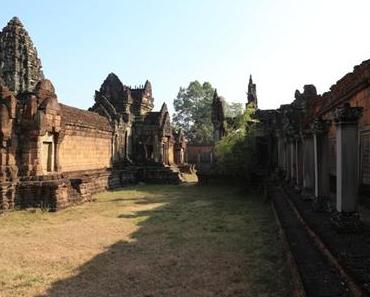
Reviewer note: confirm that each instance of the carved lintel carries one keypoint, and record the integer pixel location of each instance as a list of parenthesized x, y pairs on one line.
[(320, 126), (347, 114)]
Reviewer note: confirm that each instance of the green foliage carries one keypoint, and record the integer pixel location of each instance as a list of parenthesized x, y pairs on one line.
[(236, 152), (193, 112), (193, 108), (233, 109)]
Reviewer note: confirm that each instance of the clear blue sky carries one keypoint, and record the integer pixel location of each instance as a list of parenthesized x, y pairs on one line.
[(283, 43)]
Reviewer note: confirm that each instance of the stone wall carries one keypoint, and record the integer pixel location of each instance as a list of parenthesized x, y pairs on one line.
[(86, 140), (365, 157), (84, 151), (336, 127), (201, 155)]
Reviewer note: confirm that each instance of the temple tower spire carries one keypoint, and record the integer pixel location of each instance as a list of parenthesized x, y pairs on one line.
[(20, 67), (252, 92)]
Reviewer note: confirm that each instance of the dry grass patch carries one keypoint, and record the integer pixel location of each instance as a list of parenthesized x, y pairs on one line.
[(147, 241)]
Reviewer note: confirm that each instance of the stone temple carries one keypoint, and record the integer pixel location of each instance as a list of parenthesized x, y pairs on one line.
[(52, 155)]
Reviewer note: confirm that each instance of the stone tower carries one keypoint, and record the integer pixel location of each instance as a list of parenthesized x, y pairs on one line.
[(252, 92), (143, 99), (116, 93), (20, 68)]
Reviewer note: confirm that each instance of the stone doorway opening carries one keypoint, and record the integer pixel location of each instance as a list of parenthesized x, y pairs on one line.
[(48, 156), (48, 153)]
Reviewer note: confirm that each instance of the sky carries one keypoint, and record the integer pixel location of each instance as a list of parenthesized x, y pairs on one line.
[(284, 44)]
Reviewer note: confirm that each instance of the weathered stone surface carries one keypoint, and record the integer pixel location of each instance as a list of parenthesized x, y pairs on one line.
[(340, 121), (53, 155), (20, 66), (347, 114), (252, 93)]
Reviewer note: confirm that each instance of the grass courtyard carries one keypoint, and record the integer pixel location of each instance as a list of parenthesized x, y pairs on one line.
[(147, 241)]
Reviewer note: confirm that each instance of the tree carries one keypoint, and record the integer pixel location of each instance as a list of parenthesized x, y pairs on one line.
[(233, 109), (236, 152), (193, 107)]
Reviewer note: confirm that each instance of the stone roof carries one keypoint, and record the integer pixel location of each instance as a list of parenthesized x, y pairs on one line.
[(343, 89), (83, 118)]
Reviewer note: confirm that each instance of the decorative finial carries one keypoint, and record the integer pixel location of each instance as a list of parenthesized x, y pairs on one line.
[(15, 21)]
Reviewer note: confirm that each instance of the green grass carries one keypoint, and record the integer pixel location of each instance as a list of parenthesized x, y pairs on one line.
[(146, 241)]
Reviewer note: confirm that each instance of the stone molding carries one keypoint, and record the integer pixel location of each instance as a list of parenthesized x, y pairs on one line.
[(347, 114), (320, 126)]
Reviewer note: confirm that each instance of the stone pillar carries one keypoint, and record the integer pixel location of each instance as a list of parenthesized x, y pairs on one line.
[(3, 201), (308, 166), (281, 154), (156, 149), (292, 161), (287, 160), (321, 158), (161, 150), (298, 162), (346, 120)]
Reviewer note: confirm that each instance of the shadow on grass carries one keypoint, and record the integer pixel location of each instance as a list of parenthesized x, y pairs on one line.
[(202, 241)]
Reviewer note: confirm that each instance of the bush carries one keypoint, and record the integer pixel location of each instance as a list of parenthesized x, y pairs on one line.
[(236, 152)]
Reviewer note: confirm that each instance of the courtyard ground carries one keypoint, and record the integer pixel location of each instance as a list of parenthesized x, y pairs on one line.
[(147, 241)]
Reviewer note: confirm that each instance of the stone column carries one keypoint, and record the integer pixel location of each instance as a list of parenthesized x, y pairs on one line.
[(287, 160), (321, 158), (126, 145), (298, 162), (292, 161), (281, 154), (346, 120), (3, 201), (58, 140), (308, 166), (156, 149), (284, 156)]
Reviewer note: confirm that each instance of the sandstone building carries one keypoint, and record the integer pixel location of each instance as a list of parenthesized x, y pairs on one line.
[(52, 155), (321, 144)]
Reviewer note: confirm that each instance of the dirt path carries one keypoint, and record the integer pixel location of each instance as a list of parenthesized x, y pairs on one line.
[(148, 241)]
